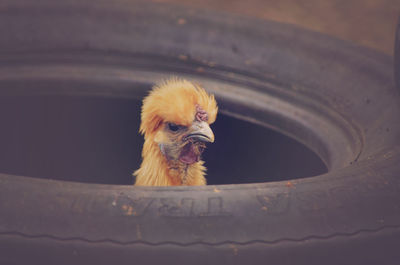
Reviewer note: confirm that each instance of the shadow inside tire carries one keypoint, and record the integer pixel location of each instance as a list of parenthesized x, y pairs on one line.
[(96, 140)]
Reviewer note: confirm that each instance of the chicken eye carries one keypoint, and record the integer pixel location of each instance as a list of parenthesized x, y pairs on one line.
[(173, 127)]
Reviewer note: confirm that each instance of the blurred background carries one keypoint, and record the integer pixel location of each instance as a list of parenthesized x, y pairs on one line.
[(369, 23)]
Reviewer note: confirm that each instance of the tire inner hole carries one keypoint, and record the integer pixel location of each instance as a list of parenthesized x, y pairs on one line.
[(96, 140)]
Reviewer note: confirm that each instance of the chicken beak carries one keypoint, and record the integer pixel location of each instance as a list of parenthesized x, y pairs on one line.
[(200, 131)]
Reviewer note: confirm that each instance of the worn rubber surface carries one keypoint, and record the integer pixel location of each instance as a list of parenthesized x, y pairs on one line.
[(338, 99)]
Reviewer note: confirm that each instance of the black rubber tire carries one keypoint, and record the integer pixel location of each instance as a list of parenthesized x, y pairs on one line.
[(337, 98)]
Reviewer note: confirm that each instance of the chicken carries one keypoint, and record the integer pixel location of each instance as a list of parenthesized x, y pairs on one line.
[(175, 122)]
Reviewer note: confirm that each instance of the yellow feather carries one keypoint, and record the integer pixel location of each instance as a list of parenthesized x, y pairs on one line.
[(175, 101)]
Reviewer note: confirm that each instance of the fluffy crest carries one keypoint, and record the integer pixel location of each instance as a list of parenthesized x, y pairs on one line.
[(175, 100)]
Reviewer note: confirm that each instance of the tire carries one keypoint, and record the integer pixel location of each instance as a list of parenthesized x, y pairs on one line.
[(336, 98)]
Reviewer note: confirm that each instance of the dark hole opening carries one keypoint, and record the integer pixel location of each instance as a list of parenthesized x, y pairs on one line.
[(96, 140)]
